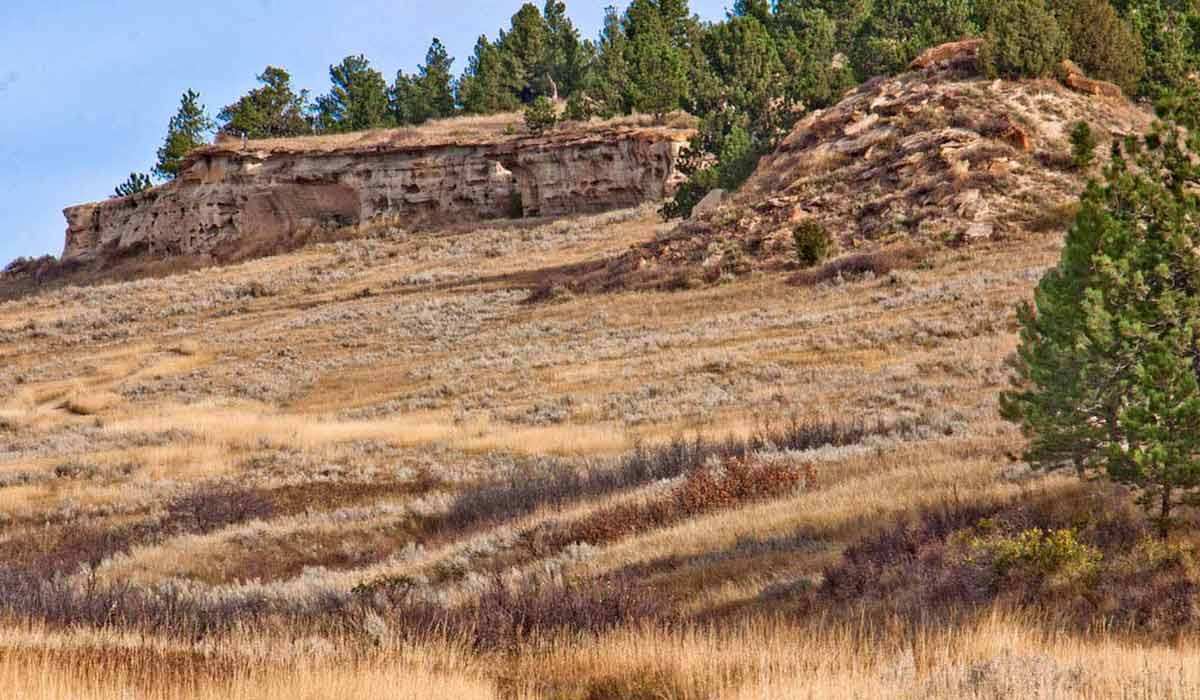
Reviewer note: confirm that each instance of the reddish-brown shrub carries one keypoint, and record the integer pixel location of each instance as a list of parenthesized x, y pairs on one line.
[(739, 480), (879, 262), (213, 507)]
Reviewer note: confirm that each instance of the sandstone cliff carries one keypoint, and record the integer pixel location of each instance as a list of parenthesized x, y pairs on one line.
[(237, 200)]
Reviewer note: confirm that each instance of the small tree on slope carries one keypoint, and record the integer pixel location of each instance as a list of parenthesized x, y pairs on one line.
[(1108, 368), (188, 129)]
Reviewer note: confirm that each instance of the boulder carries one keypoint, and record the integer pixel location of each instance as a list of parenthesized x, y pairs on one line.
[(1073, 77), (711, 202), (958, 54)]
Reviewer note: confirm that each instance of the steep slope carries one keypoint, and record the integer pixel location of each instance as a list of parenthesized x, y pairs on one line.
[(936, 155)]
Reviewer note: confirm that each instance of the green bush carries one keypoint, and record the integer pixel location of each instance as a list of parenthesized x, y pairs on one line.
[(580, 107), (1057, 555), (1083, 146), (813, 243), (540, 115), (1023, 40), (690, 193), (738, 159)]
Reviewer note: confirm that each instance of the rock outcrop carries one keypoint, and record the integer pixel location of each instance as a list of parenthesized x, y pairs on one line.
[(940, 154), (236, 200), (1074, 78)]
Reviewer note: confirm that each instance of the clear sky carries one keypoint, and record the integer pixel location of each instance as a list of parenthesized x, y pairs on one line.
[(87, 86)]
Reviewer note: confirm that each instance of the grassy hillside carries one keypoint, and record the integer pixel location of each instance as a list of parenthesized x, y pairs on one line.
[(276, 479), (442, 464)]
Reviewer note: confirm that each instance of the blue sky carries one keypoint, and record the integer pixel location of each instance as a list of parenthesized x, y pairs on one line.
[(87, 86)]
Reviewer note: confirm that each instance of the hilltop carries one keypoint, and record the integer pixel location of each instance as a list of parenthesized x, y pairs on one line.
[(938, 155)]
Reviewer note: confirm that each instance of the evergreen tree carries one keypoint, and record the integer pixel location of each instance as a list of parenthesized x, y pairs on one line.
[(1168, 40), (540, 115), (807, 43), (848, 16), (137, 182), (188, 129), (1103, 44), (742, 54), (524, 50), (678, 20), (1083, 146), (893, 33), (271, 111), (482, 90), (427, 95), (658, 68), (357, 100), (1109, 359), (609, 83), (758, 9), (567, 55), (437, 82), (1023, 40)]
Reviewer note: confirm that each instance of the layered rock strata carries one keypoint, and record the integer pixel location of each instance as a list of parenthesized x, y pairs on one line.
[(236, 200)]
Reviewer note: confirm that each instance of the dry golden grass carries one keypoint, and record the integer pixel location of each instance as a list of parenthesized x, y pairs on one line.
[(397, 358), (996, 656), (480, 129)]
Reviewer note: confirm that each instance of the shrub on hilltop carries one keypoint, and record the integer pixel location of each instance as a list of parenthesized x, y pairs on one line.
[(540, 115)]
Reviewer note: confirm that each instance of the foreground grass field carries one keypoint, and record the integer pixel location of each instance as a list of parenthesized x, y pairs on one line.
[(993, 657), (377, 469)]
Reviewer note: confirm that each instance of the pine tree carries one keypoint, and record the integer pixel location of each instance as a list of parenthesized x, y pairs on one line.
[(187, 130), (808, 47), (742, 54), (1104, 45), (357, 100), (540, 115), (657, 67), (609, 83), (137, 182), (1083, 146), (758, 9), (271, 111), (677, 19), (1168, 41), (437, 81), (414, 99), (481, 89), (523, 51), (894, 32), (569, 57), (1109, 359), (1023, 40)]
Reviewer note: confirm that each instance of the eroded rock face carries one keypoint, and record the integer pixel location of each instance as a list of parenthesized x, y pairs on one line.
[(234, 201)]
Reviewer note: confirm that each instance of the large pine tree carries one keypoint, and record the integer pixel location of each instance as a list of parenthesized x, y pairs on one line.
[(609, 82), (1108, 369), (429, 94), (357, 99), (272, 111), (658, 66), (481, 89)]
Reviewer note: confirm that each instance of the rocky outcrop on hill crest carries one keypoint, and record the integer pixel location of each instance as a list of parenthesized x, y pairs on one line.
[(939, 154), (236, 200)]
